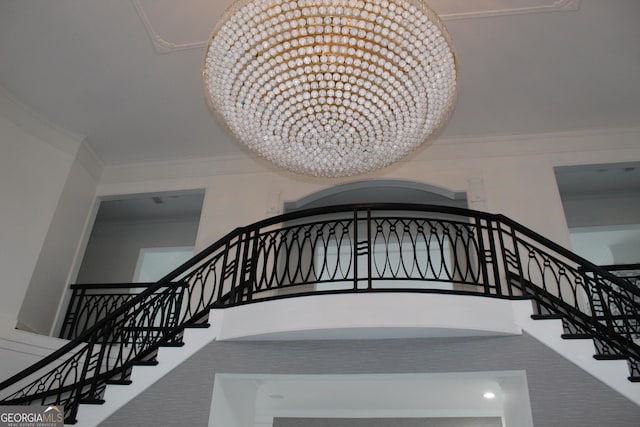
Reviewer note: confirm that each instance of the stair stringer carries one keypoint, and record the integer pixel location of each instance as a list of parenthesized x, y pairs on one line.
[(614, 373), (142, 377)]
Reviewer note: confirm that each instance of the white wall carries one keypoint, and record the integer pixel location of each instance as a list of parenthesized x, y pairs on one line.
[(369, 315), (19, 350), (389, 398), (30, 194), (608, 245), (512, 175), (611, 209), (38, 165), (114, 247), (52, 270), (234, 405)]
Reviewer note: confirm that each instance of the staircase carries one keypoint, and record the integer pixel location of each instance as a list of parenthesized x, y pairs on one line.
[(342, 249)]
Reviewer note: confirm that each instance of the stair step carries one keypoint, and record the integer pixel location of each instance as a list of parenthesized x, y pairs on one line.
[(145, 363), (611, 356), (92, 401), (576, 336), (547, 316), (198, 325), (118, 382), (172, 344)]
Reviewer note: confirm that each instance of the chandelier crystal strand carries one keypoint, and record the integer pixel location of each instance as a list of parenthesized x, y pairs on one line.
[(331, 87)]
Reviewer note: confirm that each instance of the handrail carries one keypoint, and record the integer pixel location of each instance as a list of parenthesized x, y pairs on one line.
[(347, 248), (628, 272), (111, 285), (87, 305), (586, 264), (103, 324)]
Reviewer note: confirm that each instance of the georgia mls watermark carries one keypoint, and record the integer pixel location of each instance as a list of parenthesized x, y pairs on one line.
[(31, 416)]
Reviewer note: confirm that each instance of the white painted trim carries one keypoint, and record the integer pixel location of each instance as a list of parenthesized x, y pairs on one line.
[(542, 136), (496, 146), (38, 126), (552, 6), (185, 168), (162, 45), (520, 144), (56, 325), (90, 160), (366, 396), (370, 316)]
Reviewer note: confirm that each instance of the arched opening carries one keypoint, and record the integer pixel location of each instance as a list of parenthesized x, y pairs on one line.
[(342, 245), (380, 191)]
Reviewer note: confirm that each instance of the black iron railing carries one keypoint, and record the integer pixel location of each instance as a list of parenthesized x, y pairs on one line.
[(90, 303), (629, 272), (356, 248)]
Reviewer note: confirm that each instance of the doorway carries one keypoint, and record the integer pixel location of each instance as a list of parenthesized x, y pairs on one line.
[(141, 238), (602, 207)]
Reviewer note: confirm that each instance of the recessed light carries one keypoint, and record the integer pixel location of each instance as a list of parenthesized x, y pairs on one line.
[(489, 395)]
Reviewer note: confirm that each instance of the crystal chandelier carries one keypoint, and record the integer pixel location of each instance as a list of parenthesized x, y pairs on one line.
[(331, 87)]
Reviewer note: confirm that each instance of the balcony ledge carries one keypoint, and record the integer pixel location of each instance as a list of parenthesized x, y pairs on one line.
[(367, 316)]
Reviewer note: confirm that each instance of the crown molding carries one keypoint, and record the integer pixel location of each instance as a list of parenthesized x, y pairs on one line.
[(195, 167), (551, 135), (90, 160), (159, 43), (527, 144), (163, 46), (550, 6), (38, 126), (442, 149)]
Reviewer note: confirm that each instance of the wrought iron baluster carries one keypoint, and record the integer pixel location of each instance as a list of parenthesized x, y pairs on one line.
[(497, 277), (70, 316), (137, 324), (355, 249), (226, 271), (253, 265), (369, 250), (238, 291)]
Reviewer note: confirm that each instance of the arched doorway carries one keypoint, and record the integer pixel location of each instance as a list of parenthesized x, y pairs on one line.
[(380, 191), (365, 192)]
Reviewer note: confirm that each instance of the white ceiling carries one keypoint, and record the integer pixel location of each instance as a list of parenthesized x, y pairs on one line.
[(166, 206), (126, 74), (417, 395), (594, 181), (379, 396)]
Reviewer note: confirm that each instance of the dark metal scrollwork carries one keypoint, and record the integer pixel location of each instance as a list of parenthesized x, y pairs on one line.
[(356, 248)]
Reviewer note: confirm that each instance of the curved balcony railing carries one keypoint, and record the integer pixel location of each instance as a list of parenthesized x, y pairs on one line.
[(356, 248)]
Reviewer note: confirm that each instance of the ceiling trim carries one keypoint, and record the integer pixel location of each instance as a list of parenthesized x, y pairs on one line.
[(162, 46), (552, 6), (90, 161), (38, 126), (622, 139)]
